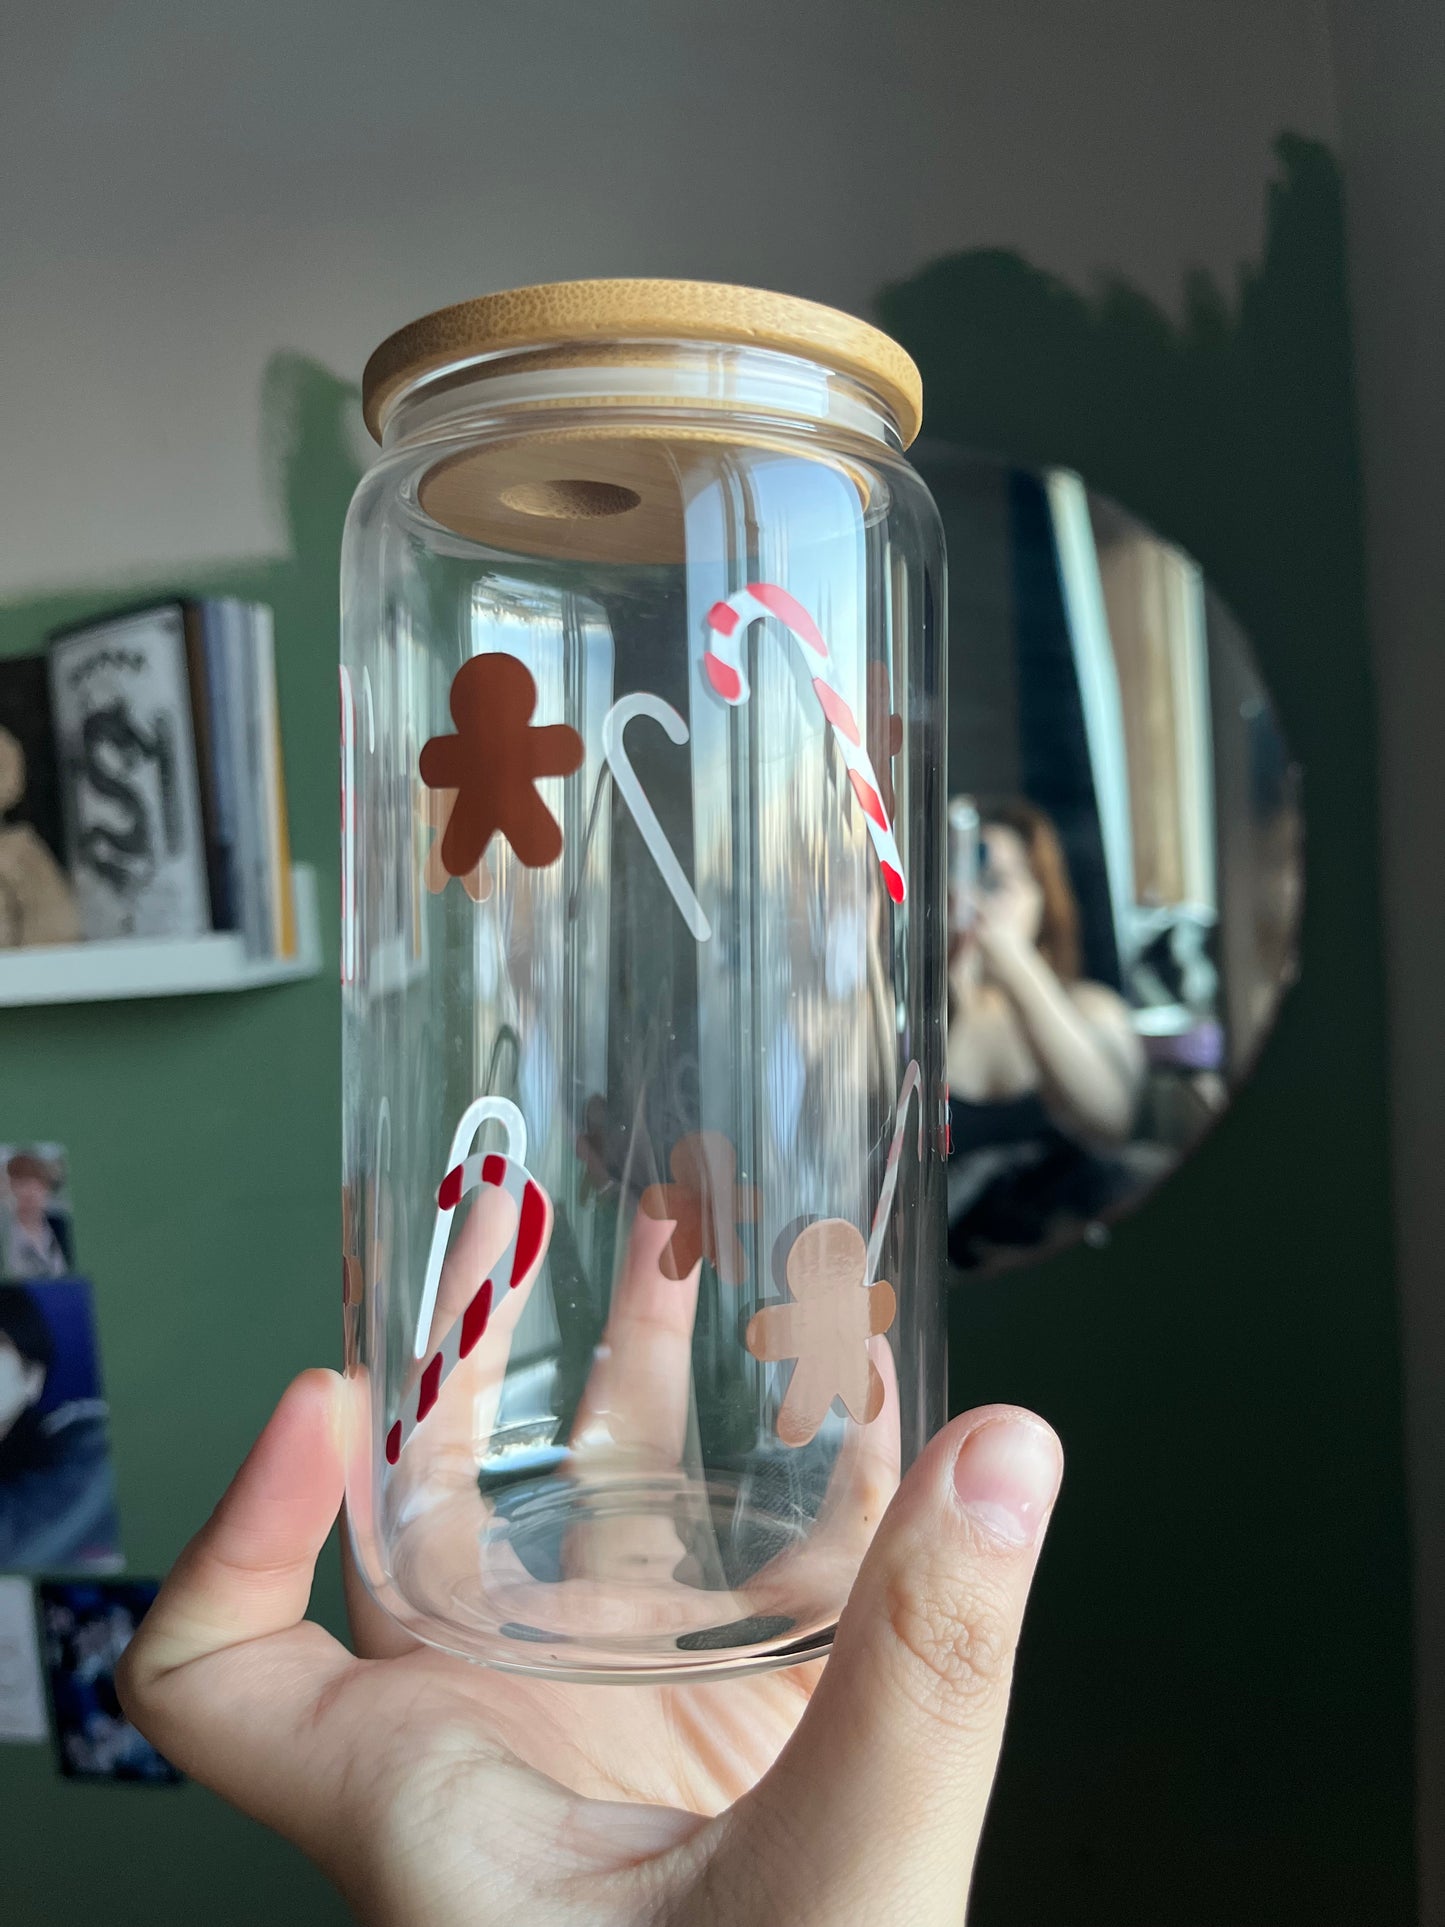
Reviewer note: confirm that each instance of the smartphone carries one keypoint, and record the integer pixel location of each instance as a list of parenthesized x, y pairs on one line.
[(963, 862)]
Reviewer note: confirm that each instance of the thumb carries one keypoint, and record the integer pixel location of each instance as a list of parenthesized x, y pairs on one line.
[(874, 1808)]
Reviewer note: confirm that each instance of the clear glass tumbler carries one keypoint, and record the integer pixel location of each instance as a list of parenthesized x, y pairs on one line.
[(643, 964)]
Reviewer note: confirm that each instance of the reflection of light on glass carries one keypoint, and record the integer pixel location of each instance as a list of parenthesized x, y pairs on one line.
[(401, 931), (348, 829), (556, 972), (395, 706), (786, 1078), (537, 1081), (538, 971), (845, 944), (488, 959), (783, 864)]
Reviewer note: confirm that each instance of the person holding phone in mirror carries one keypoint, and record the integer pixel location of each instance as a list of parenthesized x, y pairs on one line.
[(1045, 1069)]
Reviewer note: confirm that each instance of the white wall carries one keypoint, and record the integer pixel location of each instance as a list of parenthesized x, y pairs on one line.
[(1391, 68), (189, 188)]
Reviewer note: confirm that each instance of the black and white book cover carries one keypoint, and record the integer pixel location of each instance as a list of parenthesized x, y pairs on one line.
[(134, 837)]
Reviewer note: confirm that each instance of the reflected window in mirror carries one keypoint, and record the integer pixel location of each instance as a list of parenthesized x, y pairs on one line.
[(1125, 858)]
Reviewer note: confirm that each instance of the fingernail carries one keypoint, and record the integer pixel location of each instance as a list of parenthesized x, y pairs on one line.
[(1006, 1476)]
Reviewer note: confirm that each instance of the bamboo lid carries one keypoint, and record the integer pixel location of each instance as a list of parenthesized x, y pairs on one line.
[(591, 495), (569, 312)]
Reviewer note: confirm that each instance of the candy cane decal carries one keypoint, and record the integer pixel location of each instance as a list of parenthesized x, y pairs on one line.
[(727, 622), (524, 1251), (635, 797), (911, 1087), (618, 765), (462, 1177)]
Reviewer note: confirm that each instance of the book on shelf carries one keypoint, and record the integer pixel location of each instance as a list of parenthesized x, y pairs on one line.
[(130, 787), (174, 795), (281, 903), (247, 774)]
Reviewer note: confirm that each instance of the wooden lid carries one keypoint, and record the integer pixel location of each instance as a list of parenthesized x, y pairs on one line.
[(563, 312), (590, 494)]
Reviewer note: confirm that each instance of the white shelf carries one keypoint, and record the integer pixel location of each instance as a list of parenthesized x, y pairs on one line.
[(75, 973)]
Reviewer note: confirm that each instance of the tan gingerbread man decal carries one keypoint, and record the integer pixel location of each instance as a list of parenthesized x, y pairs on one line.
[(494, 763), (435, 811), (826, 1329)]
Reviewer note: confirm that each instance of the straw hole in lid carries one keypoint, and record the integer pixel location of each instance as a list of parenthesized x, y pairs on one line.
[(570, 501)]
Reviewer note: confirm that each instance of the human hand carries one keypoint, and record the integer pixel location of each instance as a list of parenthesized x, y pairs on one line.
[(1002, 941), (994, 951), (436, 1792)]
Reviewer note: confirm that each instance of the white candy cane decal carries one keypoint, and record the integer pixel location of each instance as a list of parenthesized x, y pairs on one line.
[(619, 766), (524, 1251), (635, 797), (909, 1088), (727, 623)]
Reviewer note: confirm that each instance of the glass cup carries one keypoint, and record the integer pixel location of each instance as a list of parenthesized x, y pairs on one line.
[(643, 879)]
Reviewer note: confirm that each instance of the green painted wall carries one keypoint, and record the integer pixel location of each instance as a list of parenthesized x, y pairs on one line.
[(1212, 1722), (203, 1134)]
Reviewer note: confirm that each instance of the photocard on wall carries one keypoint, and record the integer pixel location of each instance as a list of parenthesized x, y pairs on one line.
[(23, 1719), (57, 1484), (37, 1232), (88, 1625)]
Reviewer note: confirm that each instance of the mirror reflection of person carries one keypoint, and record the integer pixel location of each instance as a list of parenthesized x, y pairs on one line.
[(36, 1236), (1045, 1069), (57, 1491)]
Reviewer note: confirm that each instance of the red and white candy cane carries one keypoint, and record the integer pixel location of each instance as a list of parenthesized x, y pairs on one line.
[(727, 623), (523, 1253)]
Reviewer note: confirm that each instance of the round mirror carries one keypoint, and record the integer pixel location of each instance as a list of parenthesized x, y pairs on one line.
[(1125, 858)]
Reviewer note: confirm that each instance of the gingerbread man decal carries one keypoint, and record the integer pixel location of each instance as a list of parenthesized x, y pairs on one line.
[(826, 1329), (706, 1204), (494, 763), (435, 811)]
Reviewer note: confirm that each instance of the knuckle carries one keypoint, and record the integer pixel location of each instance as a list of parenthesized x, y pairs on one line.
[(140, 1684), (131, 1680), (954, 1645)]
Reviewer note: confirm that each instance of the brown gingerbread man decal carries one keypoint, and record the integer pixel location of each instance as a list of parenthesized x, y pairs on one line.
[(706, 1204), (826, 1329), (494, 762)]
